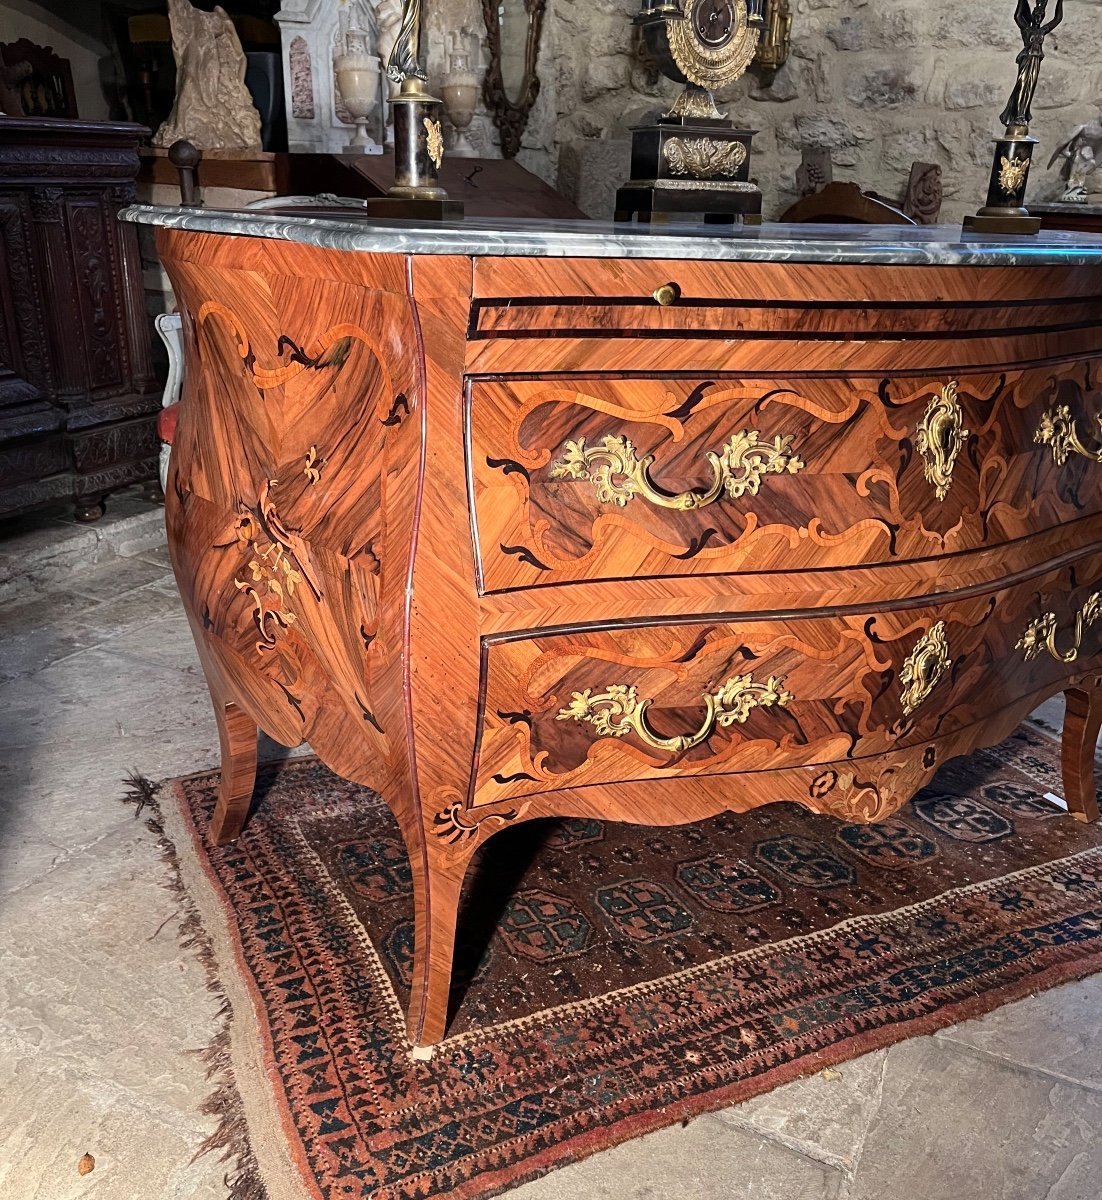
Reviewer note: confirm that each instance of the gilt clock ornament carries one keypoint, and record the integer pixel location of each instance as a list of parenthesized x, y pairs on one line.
[(693, 159)]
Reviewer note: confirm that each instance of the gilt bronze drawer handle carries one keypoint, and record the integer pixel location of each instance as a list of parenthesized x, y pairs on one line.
[(1041, 634), (618, 474), (667, 294), (924, 666), (941, 436), (1057, 431), (618, 711)]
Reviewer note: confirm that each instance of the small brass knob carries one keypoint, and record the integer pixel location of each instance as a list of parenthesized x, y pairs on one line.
[(668, 293)]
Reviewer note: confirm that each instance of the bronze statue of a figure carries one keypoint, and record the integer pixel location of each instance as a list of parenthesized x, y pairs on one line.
[(1032, 25), (404, 57)]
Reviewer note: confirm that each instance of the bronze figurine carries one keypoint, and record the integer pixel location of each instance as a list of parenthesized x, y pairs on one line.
[(403, 63), (1034, 30)]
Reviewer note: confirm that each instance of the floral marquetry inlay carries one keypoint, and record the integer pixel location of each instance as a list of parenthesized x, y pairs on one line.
[(270, 584)]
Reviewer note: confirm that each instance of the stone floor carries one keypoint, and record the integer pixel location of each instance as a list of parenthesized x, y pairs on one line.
[(101, 1015)]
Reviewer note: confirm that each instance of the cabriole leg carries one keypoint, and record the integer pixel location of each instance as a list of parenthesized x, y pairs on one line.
[(1082, 721), (437, 884), (237, 735)]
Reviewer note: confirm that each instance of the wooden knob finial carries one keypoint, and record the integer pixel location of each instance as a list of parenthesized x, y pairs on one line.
[(185, 157)]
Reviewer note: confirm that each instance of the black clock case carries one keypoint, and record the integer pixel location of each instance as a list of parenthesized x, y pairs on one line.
[(654, 189)]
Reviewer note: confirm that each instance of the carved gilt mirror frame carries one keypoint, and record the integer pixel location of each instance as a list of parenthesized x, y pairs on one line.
[(510, 113), (776, 36)]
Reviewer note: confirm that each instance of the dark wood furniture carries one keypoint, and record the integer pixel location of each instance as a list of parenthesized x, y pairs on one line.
[(45, 87), (78, 401), (1078, 218), (643, 540), (488, 187), (845, 204)]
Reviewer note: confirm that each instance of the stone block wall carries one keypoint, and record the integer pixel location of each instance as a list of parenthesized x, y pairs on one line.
[(881, 84)]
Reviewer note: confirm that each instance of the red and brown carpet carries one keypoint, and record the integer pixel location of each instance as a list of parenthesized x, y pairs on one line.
[(611, 979)]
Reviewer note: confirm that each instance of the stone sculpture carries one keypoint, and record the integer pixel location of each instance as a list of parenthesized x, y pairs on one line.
[(1082, 155), (213, 108)]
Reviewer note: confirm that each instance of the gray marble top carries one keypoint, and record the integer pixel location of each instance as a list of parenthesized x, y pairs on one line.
[(890, 244), (1067, 206)]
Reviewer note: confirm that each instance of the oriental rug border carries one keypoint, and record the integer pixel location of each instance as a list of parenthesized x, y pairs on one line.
[(320, 1097)]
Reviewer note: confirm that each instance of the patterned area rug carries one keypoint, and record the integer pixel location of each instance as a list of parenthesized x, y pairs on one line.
[(611, 979)]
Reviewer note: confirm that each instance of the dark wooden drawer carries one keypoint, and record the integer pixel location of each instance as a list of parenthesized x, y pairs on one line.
[(586, 478), (592, 706)]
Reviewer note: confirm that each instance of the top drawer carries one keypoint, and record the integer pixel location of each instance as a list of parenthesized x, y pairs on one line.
[(582, 315), (609, 478)]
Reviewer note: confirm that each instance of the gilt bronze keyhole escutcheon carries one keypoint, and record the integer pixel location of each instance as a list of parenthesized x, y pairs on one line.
[(924, 667), (941, 436)]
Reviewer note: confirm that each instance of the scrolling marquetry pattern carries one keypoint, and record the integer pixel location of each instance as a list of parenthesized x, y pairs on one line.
[(607, 478)]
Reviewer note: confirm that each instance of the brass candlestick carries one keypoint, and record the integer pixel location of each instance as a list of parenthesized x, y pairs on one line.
[(418, 136), (1005, 210)]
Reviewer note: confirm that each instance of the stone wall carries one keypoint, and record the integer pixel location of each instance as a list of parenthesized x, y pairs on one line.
[(881, 84)]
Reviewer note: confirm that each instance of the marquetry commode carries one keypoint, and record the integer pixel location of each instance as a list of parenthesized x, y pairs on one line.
[(535, 521)]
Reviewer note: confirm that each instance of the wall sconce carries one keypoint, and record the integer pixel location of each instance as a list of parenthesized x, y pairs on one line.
[(776, 35)]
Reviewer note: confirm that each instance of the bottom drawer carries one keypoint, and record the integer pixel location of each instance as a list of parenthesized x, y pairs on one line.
[(714, 696)]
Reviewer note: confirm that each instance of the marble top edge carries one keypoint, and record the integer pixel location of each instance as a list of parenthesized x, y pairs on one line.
[(933, 245)]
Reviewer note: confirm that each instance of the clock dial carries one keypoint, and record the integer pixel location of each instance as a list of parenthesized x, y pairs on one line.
[(713, 43), (714, 21)]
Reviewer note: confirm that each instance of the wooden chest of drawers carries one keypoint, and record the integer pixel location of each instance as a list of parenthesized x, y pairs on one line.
[(513, 536)]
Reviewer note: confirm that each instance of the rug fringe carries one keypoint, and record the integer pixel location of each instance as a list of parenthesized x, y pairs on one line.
[(231, 1134)]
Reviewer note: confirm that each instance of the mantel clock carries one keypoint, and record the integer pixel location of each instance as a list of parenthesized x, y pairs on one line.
[(693, 159)]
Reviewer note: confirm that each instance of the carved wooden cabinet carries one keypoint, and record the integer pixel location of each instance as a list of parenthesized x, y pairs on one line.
[(508, 535), (78, 400)]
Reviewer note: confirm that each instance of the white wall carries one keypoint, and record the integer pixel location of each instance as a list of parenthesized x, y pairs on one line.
[(23, 18)]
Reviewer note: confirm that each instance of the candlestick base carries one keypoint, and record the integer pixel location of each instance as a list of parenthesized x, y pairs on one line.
[(1005, 210), (985, 223), (414, 208), (418, 144)]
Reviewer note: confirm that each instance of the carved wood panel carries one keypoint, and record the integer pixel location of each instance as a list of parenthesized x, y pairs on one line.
[(73, 325), (21, 342)]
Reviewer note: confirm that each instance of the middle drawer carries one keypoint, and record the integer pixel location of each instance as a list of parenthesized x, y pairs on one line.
[(578, 479)]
